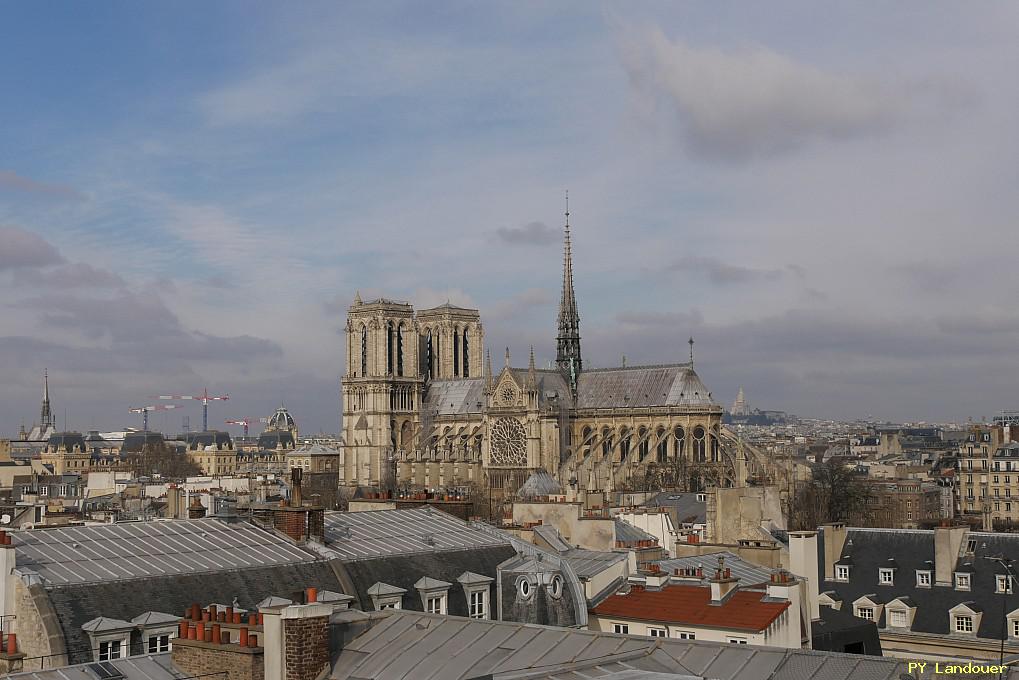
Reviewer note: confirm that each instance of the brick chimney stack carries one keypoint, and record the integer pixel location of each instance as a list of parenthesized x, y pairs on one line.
[(297, 640), (196, 510)]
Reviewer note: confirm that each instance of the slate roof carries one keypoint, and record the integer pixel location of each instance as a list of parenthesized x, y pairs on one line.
[(747, 572), (687, 508), (540, 483), (150, 667), (112, 552), (77, 603), (913, 550), (401, 645), (691, 605), (399, 532), (641, 386)]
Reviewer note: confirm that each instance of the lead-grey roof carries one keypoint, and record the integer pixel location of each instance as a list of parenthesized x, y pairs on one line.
[(112, 552), (402, 645), (642, 386), (455, 397), (629, 533), (588, 563), (149, 667), (377, 533), (539, 484), (746, 572)]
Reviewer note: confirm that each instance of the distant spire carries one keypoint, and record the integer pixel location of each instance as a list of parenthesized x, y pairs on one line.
[(532, 378), (691, 351), (507, 358), (357, 298), (46, 418), (488, 370), (568, 339)]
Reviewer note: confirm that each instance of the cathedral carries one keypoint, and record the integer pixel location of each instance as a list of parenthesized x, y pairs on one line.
[(423, 407)]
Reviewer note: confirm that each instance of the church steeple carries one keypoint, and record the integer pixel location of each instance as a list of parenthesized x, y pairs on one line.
[(568, 340), (46, 418)]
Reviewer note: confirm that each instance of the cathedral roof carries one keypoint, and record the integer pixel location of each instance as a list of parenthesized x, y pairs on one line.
[(453, 397), (539, 484), (642, 386)]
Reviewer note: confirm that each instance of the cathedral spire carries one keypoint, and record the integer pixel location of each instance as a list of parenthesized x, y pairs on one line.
[(568, 339), (532, 376), (46, 416)]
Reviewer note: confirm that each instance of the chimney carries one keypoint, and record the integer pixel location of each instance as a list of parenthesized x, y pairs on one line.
[(196, 510), (296, 499), (723, 584), (11, 660), (204, 650), (7, 562), (834, 541), (785, 586), (803, 563), (948, 541), (296, 641)]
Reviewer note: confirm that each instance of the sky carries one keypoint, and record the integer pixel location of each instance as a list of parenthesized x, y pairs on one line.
[(822, 194)]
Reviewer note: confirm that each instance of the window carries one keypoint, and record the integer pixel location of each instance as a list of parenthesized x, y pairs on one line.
[(435, 604), (886, 576), (898, 618), (737, 641), (963, 624), (841, 573), (971, 545), (389, 605), (1002, 584), (684, 635), (478, 604), (159, 643), (621, 628), (556, 587), (865, 613), (962, 581), (109, 651), (923, 579), (657, 632), (524, 588)]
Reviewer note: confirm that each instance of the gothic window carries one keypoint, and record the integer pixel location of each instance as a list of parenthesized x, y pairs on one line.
[(662, 451), (624, 444), (606, 444), (456, 353), (364, 350), (429, 355), (680, 437), (467, 356), (699, 445), (509, 443), (714, 449), (389, 348), (644, 445), (399, 350)]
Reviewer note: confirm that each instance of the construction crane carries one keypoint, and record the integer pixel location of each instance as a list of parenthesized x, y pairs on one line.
[(203, 397), (145, 410), (246, 422)]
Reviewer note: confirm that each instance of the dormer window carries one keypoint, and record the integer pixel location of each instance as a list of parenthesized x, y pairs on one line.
[(110, 650), (841, 573), (385, 596), (898, 618), (961, 581), (434, 594), (963, 623), (1003, 584), (886, 576), (923, 578), (865, 613)]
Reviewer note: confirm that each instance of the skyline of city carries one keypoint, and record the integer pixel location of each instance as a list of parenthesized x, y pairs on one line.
[(174, 220)]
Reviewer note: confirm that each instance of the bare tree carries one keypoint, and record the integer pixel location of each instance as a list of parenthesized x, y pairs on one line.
[(834, 494), (160, 459)]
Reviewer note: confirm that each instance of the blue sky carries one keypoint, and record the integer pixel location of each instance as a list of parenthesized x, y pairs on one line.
[(820, 193)]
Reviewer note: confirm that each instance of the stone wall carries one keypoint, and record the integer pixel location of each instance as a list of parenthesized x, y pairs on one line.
[(38, 628)]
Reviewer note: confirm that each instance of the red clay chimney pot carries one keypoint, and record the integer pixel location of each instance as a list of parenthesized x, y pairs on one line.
[(243, 639), (311, 595), (216, 639), (200, 631), (12, 643), (252, 641)]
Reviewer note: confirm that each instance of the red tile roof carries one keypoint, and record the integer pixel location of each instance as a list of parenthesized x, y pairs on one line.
[(691, 605)]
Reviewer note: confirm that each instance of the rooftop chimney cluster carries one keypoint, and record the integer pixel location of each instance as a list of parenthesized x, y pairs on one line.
[(219, 626)]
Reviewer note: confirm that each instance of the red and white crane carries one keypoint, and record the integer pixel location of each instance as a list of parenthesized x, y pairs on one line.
[(203, 397), (145, 410), (246, 422)]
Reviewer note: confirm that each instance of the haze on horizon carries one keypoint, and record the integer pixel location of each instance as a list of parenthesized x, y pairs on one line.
[(822, 195)]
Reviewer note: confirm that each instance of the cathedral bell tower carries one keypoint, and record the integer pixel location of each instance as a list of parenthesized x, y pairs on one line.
[(568, 359), (381, 389)]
